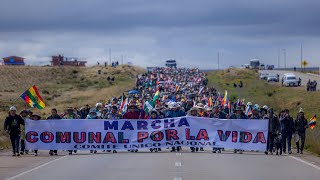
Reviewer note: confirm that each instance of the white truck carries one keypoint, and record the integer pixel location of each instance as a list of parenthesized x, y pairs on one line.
[(289, 79)]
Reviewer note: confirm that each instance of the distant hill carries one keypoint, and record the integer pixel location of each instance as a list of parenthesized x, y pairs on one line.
[(62, 87)]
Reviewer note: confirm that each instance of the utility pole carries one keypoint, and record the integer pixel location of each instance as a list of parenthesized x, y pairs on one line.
[(285, 58), (301, 57), (110, 55), (278, 58), (218, 61), (121, 59)]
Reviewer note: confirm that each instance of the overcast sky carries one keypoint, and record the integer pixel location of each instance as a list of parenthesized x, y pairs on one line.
[(148, 32)]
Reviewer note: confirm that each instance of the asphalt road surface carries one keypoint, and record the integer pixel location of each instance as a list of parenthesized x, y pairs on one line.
[(304, 77), (173, 166)]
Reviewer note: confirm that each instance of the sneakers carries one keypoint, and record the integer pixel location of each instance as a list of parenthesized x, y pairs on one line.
[(114, 151), (14, 154), (289, 152), (214, 151), (219, 150), (56, 154), (21, 153), (266, 152), (301, 152), (36, 154)]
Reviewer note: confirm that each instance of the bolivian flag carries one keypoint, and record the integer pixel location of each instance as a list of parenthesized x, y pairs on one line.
[(33, 98), (313, 122)]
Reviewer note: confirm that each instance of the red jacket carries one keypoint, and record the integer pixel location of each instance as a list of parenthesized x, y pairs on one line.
[(134, 115)]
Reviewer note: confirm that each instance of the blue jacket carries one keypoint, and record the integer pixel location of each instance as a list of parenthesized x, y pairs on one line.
[(173, 114)]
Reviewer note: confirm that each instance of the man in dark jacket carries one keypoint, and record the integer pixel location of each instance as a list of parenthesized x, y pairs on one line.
[(12, 126), (54, 116), (287, 128), (301, 124), (274, 127)]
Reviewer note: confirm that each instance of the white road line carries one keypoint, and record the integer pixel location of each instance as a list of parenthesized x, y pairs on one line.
[(177, 178), (178, 164), (178, 154), (305, 162), (36, 168)]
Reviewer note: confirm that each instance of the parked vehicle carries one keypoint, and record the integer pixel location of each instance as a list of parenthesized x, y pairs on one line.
[(264, 75), (273, 78), (289, 79)]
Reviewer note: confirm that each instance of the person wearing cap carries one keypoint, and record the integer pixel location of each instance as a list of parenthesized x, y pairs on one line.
[(35, 117), (54, 116), (92, 114), (287, 129), (255, 113), (12, 125), (238, 115), (300, 124), (264, 112), (273, 129)]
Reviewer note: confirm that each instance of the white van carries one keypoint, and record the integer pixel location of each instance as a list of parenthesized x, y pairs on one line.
[(289, 79)]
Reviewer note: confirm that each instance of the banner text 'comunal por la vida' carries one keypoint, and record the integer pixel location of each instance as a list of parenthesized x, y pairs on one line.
[(147, 133)]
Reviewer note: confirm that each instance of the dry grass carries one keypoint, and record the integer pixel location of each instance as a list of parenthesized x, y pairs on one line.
[(273, 95), (62, 87)]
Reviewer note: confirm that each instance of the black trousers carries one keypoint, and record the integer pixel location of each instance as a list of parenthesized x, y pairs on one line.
[(302, 138), (15, 141), (270, 142), (23, 145)]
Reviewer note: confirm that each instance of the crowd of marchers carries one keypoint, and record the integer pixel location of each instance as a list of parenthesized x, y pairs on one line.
[(171, 93)]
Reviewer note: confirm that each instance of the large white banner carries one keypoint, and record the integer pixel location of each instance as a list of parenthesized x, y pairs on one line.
[(146, 133)]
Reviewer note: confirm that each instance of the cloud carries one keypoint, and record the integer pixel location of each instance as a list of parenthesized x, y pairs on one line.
[(149, 32)]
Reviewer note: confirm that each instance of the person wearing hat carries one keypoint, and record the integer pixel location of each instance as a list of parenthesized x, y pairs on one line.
[(174, 111), (217, 113), (154, 114), (54, 116), (273, 129), (35, 117), (134, 113), (193, 112), (23, 150), (12, 125), (201, 110), (238, 115), (70, 115), (114, 115), (92, 114), (300, 124)]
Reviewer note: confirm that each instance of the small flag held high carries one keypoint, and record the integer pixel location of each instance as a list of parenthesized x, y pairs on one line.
[(313, 122), (33, 98)]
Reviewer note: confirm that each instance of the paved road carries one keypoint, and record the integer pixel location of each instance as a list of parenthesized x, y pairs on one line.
[(304, 77), (173, 166)]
